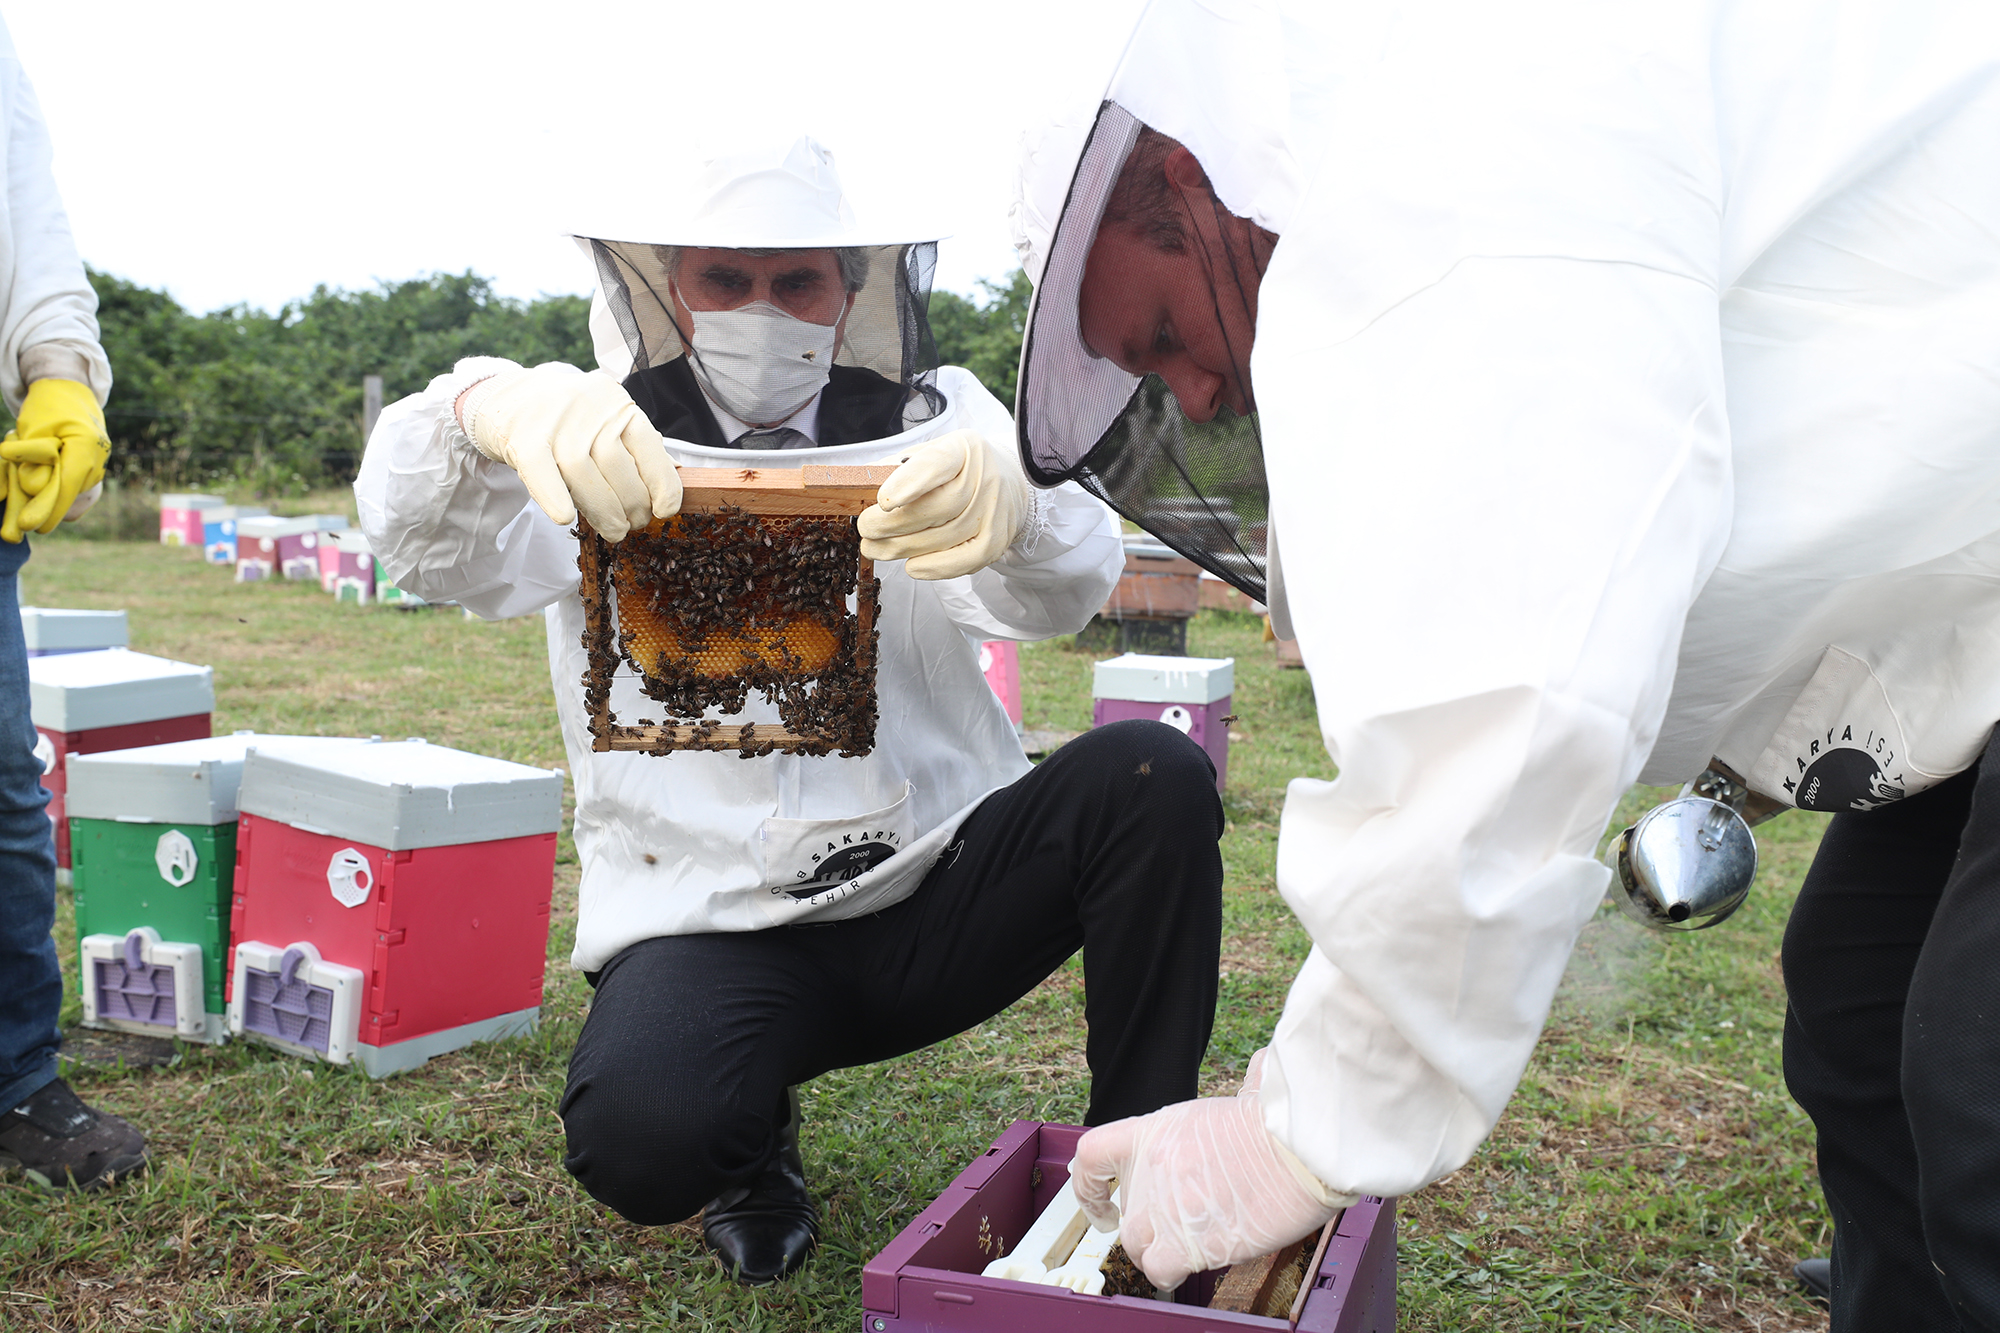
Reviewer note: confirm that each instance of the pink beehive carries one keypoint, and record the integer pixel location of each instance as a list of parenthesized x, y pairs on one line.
[(269, 547), (391, 901), (1000, 661), (181, 518), (347, 567)]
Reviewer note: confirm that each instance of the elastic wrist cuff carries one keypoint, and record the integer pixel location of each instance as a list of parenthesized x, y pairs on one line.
[(1313, 1184), (54, 361)]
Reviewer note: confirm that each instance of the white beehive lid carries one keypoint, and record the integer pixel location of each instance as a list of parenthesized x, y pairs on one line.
[(47, 628), (230, 513), (269, 525), (184, 782), (401, 794), (114, 687), (1165, 680), (328, 522), (352, 541), (189, 500)]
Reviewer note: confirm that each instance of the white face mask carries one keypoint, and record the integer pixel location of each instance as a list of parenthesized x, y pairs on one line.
[(759, 363)]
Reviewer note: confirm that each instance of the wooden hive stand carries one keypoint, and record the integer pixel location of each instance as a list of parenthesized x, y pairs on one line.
[(745, 589)]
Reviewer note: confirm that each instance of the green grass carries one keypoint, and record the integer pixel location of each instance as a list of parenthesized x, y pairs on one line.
[(1651, 1175)]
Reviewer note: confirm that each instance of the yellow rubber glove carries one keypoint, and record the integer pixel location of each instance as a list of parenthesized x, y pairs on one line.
[(56, 452)]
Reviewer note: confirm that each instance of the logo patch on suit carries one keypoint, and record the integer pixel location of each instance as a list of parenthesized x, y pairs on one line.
[(845, 858), (1853, 772), (1841, 746)]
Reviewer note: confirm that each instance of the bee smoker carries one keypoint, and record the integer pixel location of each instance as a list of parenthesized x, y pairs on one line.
[(1688, 863)]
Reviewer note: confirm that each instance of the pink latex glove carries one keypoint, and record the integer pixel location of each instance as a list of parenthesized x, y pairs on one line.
[(1205, 1185)]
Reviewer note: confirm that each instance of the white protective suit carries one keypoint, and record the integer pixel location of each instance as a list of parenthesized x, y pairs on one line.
[(1629, 384), (45, 303), (695, 842)]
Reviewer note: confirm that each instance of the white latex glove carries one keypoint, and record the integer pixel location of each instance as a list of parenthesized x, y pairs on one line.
[(1204, 1184), (953, 507), (580, 444)]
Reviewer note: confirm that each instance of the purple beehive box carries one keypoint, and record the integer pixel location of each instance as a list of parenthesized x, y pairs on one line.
[(347, 567), (268, 547), (181, 518), (928, 1279), (1187, 693)]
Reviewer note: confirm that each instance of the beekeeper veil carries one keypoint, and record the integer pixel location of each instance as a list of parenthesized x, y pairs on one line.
[(1171, 294), (763, 358)]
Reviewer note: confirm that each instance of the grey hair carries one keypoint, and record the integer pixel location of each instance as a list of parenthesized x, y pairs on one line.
[(853, 260)]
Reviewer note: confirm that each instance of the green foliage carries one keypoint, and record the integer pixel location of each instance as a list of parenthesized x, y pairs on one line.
[(984, 337), (274, 400)]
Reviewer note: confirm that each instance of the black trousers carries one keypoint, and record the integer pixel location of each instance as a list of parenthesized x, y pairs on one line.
[(1892, 1045), (677, 1084)]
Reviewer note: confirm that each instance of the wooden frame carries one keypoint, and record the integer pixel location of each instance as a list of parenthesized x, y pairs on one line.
[(813, 491)]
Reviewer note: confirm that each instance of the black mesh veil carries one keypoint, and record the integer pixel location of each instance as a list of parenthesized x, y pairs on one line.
[(1198, 486), (888, 330)]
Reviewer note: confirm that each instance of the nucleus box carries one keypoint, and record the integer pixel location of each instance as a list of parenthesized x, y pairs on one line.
[(268, 547), (347, 567), (391, 901), (929, 1278), (49, 630), (181, 518), (218, 531), (1000, 663), (153, 861), (110, 699), (1190, 694)]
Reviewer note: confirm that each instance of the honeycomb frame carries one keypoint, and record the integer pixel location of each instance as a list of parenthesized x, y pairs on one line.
[(828, 708)]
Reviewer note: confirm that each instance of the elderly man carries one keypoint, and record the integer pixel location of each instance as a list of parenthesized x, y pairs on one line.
[(1628, 379), (732, 957)]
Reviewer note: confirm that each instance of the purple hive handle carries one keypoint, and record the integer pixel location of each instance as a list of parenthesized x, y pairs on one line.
[(135, 951), (288, 966)]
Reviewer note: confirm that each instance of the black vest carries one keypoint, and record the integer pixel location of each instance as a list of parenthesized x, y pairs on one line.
[(857, 405)]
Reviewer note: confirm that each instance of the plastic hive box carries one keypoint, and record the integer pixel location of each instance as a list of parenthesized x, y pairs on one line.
[(111, 699), (426, 870), (218, 531), (49, 630), (1000, 663), (1190, 694), (928, 1279), (181, 517), (268, 547), (152, 838), (347, 567)]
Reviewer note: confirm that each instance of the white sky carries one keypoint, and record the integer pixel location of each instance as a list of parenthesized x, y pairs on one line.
[(246, 152)]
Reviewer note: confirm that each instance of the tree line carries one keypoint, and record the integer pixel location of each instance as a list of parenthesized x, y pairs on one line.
[(273, 400)]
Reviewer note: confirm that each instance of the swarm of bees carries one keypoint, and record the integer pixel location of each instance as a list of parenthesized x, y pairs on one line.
[(707, 607)]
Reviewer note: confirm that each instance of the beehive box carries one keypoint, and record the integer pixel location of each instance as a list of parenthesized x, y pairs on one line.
[(391, 901), (347, 567), (152, 837), (111, 699), (49, 631), (1149, 609), (268, 547), (928, 1280), (758, 584), (181, 518), (1000, 663), (1190, 694), (218, 531)]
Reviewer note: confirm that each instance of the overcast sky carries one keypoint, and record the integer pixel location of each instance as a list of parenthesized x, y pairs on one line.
[(246, 152)]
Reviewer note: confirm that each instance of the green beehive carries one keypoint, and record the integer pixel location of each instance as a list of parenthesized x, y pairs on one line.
[(153, 855)]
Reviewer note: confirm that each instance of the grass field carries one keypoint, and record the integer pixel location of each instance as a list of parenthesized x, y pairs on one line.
[(1652, 1174)]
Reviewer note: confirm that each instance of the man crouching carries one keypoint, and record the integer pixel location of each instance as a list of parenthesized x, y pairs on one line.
[(732, 956)]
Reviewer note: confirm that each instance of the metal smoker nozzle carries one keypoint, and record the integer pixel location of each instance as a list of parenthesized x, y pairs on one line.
[(1688, 864)]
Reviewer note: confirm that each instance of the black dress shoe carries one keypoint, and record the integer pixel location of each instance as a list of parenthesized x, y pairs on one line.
[(765, 1230), (1816, 1276)]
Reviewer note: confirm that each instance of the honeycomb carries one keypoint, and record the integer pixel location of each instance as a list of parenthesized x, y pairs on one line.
[(707, 607)]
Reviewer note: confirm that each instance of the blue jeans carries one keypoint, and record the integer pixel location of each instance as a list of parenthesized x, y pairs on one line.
[(30, 978)]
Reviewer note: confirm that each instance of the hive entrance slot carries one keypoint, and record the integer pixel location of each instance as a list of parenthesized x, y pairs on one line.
[(747, 590)]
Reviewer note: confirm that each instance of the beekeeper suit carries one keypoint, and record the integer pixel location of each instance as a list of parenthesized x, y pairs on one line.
[(749, 924), (1605, 392)]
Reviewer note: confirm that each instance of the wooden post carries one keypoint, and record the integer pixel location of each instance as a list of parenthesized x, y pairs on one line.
[(371, 404)]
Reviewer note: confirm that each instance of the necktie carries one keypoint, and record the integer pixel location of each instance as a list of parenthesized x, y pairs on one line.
[(781, 437)]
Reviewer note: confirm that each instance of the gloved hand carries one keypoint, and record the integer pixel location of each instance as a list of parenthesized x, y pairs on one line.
[(580, 444), (1205, 1185), (954, 507), (56, 452)]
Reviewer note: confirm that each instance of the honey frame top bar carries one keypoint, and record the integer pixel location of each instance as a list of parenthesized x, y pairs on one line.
[(815, 489)]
